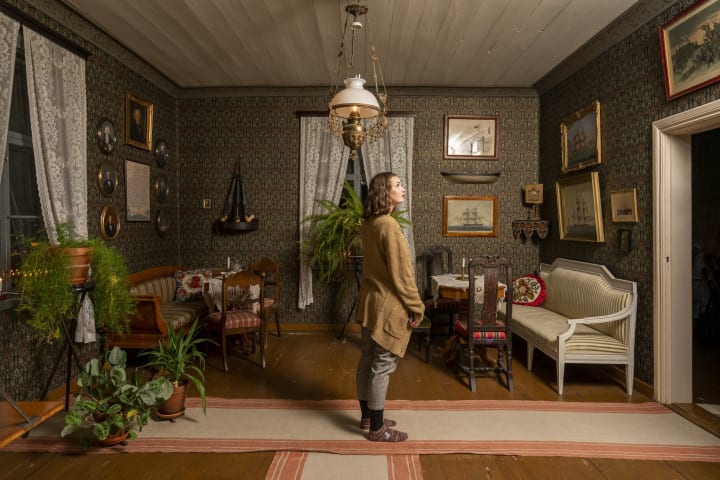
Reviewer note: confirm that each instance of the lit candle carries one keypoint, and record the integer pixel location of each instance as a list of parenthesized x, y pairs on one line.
[(463, 264), (228, 264)]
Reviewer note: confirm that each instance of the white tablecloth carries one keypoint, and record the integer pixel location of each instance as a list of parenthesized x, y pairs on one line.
[(451, 281), (213, 294)]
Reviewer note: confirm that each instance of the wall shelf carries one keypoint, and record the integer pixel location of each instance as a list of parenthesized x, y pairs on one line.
[(458, 177)]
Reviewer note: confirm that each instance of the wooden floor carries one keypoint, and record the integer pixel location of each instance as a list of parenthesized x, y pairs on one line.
[(317, 366)]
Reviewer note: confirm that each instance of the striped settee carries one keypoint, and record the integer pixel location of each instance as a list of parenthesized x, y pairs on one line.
[(157, 310), (588, 317)]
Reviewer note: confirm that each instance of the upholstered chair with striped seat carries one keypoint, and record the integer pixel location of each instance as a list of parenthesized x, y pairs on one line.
[(270, 270), (242, 312), (485, 320)]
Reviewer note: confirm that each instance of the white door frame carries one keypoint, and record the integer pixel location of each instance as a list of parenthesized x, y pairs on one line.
[(672, 247)]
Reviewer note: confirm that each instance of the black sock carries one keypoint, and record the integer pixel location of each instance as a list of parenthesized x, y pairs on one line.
[(376, 420), (364, 410)]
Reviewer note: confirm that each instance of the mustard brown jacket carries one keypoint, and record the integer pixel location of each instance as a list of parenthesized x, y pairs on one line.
[(388, 293)]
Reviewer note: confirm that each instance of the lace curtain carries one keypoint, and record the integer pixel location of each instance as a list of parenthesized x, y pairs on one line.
[(394, 153), (8, 43), (58, 119), (323, 161)]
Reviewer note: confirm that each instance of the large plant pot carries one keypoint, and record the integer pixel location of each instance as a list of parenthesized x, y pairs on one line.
[(175, 405), (79, 260)]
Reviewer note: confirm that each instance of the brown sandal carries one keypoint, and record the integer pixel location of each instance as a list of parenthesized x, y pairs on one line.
[(386, 434), (365, 423)]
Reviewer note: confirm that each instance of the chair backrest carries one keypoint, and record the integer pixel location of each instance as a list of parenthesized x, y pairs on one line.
[(243, 290), (483, 305), (436, 260), (270, 270)]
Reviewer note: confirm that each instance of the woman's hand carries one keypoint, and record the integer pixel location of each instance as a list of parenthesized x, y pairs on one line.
[(412, 322)]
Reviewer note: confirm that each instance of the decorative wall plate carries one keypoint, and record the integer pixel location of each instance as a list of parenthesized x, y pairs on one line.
[(106, 137), (457, 177), (107, 179), (162, 224), (162, 188), (161, 153)]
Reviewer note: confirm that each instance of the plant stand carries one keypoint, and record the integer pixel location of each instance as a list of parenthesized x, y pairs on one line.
[(356, 262)]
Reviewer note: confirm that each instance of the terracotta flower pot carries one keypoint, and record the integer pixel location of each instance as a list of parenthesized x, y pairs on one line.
[(119, 437), (79, 258), (176, 403)]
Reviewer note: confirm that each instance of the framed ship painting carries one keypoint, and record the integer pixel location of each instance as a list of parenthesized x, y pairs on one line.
[(579, 209), (469, 216), (580, 137)]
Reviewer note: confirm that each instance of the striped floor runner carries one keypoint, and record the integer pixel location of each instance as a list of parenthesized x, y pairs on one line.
[(328, 466)]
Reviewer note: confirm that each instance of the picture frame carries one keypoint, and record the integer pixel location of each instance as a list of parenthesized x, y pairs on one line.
[(161, 153), (624, 242), (106, 136), (110, 222), (623, 206), (162, 224), (685, 38), (107, 180), (580, 138), (162, 188), (138, 122), (471, 137), (137, 191), (469, 216), (534, 193), (579, 208)]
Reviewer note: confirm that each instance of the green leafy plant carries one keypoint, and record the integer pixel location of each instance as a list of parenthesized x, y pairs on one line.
[(334, 234), (109, 403), (179, 358)]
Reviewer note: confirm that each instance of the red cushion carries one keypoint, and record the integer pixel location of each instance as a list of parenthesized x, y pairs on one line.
[(461, 329), (529, 290), (268, 302), (236, 319)]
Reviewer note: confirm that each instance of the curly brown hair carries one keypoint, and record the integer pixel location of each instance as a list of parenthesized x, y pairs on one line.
[(378, 196)]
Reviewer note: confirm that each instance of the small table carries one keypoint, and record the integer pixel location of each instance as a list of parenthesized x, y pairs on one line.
[(451, 286)]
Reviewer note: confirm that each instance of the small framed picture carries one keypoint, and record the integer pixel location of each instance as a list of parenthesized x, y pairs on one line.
[(162, 188), (138, 122), (161, 222), (137, 191), (109, 222), (107, 179), (471, 137), (161, 153), (579, 209), (580, 136), (469, 216), (623, 206), (624, 243), (534, 193), (106, 136)]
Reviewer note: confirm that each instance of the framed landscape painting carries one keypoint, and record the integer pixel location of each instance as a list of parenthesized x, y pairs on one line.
[(691, 48), (580, 137), (469, 216), (137, 191), (623, 206), (471, 137), (579, 209)]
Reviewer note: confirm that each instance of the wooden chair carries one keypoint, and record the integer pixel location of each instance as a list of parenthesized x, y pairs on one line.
[(270, 271), (437, 260), (488, 322), (241, 313)]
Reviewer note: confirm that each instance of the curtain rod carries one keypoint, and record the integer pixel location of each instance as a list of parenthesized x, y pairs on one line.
[(325, 113), (27, 21)]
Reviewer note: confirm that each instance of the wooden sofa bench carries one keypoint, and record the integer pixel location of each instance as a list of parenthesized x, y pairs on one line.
[(157, 310), (588, 317)]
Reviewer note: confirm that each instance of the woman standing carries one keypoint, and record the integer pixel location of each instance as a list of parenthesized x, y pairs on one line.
[(389, 305)]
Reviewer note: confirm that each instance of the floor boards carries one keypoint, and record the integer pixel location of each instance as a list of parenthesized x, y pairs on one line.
[(317, 366)]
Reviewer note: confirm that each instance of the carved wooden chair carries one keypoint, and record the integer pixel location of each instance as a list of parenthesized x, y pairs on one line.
[(242, 312), (486, 320), (270, 270), (437, 260)]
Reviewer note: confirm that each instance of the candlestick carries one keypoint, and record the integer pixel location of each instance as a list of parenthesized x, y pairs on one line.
[(228, 264)]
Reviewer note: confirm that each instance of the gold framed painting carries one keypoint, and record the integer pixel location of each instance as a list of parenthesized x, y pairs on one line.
[(109, 222), (107, 179), (579, 208), (469, 216), (623, 206), (534, 193), (471, 137), (580, 137), (137, 191), (138, 122)]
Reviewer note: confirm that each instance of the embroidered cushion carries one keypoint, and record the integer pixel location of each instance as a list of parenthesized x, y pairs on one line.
[(189, 285), (529, 290)]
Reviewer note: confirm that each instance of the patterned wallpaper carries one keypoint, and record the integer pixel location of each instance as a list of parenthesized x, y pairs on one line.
[(628, 81)]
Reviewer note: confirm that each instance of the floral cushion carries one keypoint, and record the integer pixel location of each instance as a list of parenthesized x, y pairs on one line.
[(529, 290), (189, 285)]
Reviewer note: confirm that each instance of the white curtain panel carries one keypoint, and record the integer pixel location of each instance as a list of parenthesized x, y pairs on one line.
[(58, 119), (393, 152), (8, 43), (323, 162)]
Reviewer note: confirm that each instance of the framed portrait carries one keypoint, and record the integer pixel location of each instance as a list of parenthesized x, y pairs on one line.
[(579, 209), (469, 216), (107, 180), (161, 153), (162, 188), (138, 122), (623, 206), (106, 136), (471, 137), (534, 193), (109, 222), (162, 223), (580, 137), (624, 242), (137, 191), (690, 44)]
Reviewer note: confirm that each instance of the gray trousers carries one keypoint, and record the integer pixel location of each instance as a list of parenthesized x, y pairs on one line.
[(373, 372)]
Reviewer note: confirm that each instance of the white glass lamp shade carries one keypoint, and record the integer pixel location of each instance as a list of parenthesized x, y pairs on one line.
[(354, 98)]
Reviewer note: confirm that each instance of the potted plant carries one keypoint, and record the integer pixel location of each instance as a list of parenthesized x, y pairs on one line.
[(334, 234), (179, 359), (111, 406), (46, 284)]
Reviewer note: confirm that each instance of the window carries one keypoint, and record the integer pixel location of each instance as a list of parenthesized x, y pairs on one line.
[(19, 199), (355, 175)]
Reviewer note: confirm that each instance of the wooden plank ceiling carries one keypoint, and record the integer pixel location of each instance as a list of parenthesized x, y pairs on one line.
[(458, 43)]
